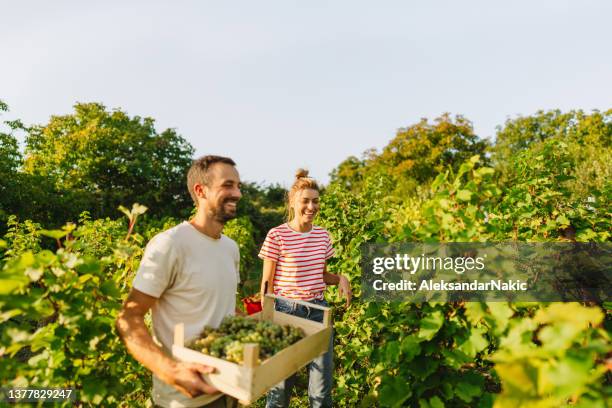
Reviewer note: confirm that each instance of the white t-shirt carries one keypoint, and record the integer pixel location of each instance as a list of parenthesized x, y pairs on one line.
[(195, 278)]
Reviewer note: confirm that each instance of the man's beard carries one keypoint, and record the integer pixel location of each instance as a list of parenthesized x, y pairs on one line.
[(223, 216)]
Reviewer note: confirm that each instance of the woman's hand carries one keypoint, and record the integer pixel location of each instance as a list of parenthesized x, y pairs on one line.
[(344, 288)]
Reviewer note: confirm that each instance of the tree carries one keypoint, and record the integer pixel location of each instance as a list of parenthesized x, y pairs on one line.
[(351, 171), (416, 154), (10, 160), (588, 138), (423, 150), (521, 132), (264, 206), (10, 157), (104, 159), (23, 195)]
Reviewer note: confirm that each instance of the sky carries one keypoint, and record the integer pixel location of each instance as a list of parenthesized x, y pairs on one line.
[(278, 85)]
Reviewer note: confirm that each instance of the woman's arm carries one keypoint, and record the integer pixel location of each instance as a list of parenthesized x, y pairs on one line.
[(344, 286), (330, 278), (269, 267)]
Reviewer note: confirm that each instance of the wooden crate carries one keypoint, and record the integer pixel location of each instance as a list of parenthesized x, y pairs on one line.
[(249, 381)]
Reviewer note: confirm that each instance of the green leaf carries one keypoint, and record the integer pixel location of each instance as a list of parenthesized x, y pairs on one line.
[(464, 195), (42, 337), (436, 402), (423, 366), (138, 209), (430, 325), (585, 235), (110, 289), (16, 335), (565, 377), (562, 220), (37, 359), (440, 179), (483, 171), (125, 211), (392, 353), (55, 234), (558, 337), (464, 168), (447, 221), (9, 285), (85, 278), (467, 392), (519, 377), (455, 358), (410, 347), (447, 391), (89, 266), (9, 314), (25, 260), (475, 312), (372, 311), (394, 391), (93, 391), (572, 313), (501, 313), (46, 257), (475, 343)]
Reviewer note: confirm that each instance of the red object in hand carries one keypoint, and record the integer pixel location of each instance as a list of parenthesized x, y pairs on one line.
[(252, 304)]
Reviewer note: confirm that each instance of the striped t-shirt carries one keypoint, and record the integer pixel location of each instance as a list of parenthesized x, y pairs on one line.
[(300, 261)]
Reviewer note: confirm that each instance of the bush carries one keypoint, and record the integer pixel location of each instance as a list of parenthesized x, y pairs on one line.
[(58, 309)]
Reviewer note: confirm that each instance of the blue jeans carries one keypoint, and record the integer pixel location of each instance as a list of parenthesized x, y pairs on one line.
[(320, 370)]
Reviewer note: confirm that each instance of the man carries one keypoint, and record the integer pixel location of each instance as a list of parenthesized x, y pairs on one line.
[(188, 274)]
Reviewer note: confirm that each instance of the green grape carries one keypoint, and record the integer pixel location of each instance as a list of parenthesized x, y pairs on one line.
[(228, 340)]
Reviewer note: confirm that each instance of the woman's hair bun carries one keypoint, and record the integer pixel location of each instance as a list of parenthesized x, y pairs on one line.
[(301, 173)]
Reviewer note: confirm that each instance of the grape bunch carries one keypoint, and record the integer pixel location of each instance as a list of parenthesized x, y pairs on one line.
[(227, 341)]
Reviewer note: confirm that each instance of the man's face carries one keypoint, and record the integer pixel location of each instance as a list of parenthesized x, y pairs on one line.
[(222, 192)]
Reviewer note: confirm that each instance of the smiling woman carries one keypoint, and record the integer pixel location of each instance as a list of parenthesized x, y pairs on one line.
[(295, 255)]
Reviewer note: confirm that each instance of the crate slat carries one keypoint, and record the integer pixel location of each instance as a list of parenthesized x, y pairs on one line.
[(229, 378)]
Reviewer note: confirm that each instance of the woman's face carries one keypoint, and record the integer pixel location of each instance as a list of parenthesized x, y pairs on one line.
[(306, 205)]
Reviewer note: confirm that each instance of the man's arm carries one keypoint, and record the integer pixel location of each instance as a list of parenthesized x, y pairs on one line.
[(132, 329)]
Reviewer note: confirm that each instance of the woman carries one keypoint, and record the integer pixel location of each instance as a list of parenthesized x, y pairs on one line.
[(294, 257)]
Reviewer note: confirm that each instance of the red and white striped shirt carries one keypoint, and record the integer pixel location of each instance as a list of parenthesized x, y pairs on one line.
[(300, 261)]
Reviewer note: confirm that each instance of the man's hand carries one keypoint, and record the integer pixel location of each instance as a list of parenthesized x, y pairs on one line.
[(344, 288), (187, 378)]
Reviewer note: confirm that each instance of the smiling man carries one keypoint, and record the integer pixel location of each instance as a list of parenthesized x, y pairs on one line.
[(188, 274)]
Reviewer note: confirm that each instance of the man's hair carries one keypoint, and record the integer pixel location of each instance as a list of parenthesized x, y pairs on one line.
[(197, 173)]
